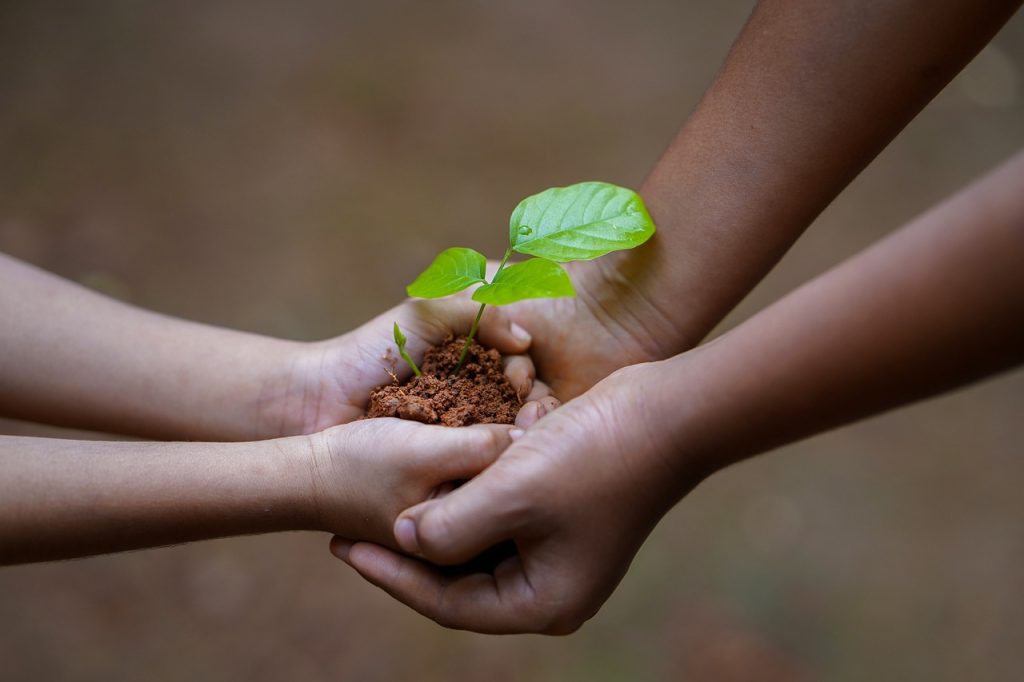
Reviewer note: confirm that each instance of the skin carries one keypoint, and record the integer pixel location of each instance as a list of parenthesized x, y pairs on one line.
[(61, 499), (811, 91), (808, 95), (766, 150), (936, 305), (73, 357)]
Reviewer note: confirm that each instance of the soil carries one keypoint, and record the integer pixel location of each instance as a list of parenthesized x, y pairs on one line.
[(479, 394)]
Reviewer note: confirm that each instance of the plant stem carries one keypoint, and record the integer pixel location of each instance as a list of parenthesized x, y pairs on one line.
[(508, 254), (479, 314), (405, 356), (469, 339)]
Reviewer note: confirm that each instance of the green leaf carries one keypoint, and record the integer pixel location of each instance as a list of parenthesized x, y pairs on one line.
[(535, 278), (453, 270), (399, 338), (579, 222), (400, 342)]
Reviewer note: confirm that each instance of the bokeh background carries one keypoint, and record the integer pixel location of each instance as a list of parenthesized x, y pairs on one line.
[(286, 167)]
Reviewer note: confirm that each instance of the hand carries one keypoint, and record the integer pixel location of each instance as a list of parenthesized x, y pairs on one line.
[(578, 494), (329, 382), (363, 474), (608, 325)]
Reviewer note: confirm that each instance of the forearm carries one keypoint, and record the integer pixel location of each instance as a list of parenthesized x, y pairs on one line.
[(938, 304), (809, 94), (61, 499), (73, 357)]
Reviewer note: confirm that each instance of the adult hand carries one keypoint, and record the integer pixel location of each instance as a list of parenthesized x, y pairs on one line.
[(365, 473), (608, 325), (578, 494)]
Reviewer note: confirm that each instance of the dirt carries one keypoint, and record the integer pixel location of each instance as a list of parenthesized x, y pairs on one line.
[(479, 394)]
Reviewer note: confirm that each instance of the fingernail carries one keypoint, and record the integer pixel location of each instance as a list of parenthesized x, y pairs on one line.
[(521, 334), (405, 535), (515, 434)]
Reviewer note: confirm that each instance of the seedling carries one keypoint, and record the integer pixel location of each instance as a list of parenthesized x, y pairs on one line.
[(400, 342), (561, 224)]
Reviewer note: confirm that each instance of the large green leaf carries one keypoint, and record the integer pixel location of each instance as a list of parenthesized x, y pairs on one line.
[(579, 222), (535, 278), (453, 270)]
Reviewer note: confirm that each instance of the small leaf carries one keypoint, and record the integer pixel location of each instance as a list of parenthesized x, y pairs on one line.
[(400, 342), (579, 222), (535, 278), (453, 270)]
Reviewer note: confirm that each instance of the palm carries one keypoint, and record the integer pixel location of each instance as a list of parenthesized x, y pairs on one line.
[(333, 380), (579, 341), (578, 494)]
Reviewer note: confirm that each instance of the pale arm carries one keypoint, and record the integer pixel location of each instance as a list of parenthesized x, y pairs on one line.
[(61, 498), (65, 498), (73, 357)]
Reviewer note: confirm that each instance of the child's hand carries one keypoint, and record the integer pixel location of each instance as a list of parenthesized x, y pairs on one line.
[(363, 474), (62, 498), (329, 382)]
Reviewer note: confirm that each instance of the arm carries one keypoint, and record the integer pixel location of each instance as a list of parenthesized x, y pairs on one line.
[(810, 93), (936, 305), (61, 499), (76, 358), (73, 357)]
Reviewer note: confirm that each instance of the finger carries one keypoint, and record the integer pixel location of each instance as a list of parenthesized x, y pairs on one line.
[(520, 373), (533, 412), (498, 331), (340, 547), (454, 529), (529, 414), (442, 490), (539, 390), (502, 603), (465, 452), (550, 403)]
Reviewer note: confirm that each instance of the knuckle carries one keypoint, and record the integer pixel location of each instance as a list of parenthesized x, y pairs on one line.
[(564, 623), (435, 530), (443, 619), (564, 614), (492, 439)]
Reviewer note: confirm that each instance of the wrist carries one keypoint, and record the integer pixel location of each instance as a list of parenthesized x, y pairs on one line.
[(631, 288), (663, 418), (291, 481), (290, 390), (701, 411), (636, 412)]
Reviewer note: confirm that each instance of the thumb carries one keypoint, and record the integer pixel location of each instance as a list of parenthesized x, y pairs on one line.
[(455, 528), (498, 331)]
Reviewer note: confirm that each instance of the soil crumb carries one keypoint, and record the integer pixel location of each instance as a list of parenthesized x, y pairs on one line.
[(479, 394)]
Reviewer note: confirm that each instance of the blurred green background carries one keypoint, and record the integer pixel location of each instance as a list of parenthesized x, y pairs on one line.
[(286, 167)]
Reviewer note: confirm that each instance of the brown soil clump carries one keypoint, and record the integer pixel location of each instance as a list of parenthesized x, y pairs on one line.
[(479, 394)]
